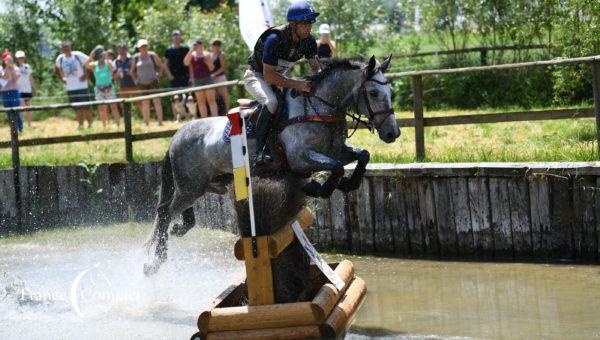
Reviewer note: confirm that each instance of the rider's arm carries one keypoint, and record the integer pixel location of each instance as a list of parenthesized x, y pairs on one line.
[(270, 74), (272, 77)]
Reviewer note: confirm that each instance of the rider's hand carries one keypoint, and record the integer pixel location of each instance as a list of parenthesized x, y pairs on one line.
[(304, 86)]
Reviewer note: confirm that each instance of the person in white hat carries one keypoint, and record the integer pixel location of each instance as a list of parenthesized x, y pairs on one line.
[(25, 83), (325, 46), (147, 70)]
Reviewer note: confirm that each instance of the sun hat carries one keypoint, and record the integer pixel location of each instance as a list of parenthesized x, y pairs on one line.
[(324, 29), (20, 54), (141, 43), (5, 55)]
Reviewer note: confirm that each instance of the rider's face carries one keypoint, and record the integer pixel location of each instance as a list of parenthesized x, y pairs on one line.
[(303, 29)]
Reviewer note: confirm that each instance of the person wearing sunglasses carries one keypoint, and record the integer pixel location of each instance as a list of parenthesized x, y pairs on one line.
[(275, 52)]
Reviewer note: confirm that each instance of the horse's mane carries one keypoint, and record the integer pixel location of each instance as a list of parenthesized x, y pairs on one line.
[(333, 65)]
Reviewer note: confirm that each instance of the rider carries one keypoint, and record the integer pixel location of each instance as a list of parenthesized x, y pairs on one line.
[(274, 54)]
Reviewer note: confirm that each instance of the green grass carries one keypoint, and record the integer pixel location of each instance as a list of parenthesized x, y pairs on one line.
[(556, 140)]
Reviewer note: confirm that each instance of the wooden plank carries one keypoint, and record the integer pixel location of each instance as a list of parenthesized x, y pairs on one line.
[(324, 225), (48, 194), (258, 272), (560, 235), (398, 216), (502, 117), (128, 132), (365, 217), (296, 332), (596, 245), (481, 219), (259, 317), (427, 213), (584, 190), (444, 218), (352, 221), (417, 88), (8, 207), (340, 232), (539, 194), (493, 67), (470, 50), (382, 215), (459, 196), (520, 217), (501, 223), (596, 89), (416, 231)]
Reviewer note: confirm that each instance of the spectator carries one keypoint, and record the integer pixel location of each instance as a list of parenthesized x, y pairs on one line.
[(104, 88), (145, 69), (218, 73), (325, 46), (122, 73), (177, 72), (26, 84), (202, 65), (110, 55), (70, 71), (10, 92)]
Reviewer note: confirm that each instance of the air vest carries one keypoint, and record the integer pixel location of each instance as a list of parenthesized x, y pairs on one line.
[(288, 53)]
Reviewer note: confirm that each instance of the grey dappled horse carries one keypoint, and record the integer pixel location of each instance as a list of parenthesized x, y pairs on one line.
[(198, 159)]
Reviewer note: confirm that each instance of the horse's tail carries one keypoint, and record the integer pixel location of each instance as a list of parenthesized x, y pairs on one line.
[(167, 189)]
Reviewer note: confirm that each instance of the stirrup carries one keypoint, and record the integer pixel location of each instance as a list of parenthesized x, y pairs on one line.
[(263, 157)]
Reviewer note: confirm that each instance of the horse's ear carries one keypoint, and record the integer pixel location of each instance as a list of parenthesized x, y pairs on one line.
[(370, 68), (386, 63)]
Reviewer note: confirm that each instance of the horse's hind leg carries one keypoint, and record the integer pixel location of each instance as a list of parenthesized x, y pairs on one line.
[(161, 224), (189, 220), (320, 162)]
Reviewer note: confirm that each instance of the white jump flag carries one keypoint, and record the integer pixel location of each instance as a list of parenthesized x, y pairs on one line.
[(316, 257)]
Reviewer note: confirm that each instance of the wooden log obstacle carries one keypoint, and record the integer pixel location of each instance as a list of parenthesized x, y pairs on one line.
[(328, 314), (248, 308)]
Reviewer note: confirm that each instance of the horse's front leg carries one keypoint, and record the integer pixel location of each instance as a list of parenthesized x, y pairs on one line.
[(319, 162), (349, 155)]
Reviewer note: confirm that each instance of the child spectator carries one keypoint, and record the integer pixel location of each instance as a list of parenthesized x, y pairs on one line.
[(25, 83), (10, 92)]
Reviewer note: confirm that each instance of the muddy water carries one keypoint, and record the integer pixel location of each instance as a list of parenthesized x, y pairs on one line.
[(88, 283)]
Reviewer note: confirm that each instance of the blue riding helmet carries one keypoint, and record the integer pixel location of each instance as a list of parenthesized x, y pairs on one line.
[(301, 11)]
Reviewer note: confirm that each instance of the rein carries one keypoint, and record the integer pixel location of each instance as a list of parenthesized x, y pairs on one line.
[(342, 113)]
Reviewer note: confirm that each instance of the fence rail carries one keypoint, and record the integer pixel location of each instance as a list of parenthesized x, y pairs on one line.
[(419, 122)]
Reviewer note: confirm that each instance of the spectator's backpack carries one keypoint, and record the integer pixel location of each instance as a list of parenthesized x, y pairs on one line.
[(90, 74)]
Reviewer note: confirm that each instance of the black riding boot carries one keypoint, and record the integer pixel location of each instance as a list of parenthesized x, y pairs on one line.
[(263, 126)]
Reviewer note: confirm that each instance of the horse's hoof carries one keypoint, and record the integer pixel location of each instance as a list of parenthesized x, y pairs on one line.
[(150, 269), (179, 230), (312, 189)]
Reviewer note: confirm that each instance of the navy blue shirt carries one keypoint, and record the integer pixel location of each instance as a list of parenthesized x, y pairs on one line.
[(271, 51), (275, 47)]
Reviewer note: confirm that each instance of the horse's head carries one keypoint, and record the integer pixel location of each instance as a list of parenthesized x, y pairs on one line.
[(374, 100)]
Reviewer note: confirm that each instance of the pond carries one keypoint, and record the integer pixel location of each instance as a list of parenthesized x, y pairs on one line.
[(87, 282)]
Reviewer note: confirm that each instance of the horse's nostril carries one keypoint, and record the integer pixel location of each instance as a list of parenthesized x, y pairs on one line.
[(389, 135)]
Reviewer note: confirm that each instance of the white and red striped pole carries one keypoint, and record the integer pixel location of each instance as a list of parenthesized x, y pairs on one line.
[(241, 168)]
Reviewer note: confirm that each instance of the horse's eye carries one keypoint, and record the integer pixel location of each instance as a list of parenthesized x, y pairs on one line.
[(374, 93)]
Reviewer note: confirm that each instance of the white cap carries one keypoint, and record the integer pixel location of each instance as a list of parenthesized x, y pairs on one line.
[(20, 54), (324, 29), (141, 43)]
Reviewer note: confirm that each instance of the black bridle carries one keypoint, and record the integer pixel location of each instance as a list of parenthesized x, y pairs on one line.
[(342, 108)]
